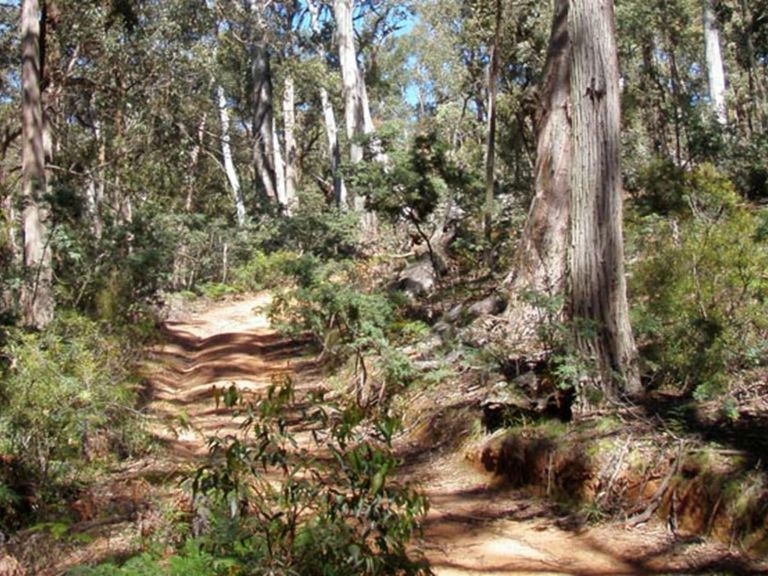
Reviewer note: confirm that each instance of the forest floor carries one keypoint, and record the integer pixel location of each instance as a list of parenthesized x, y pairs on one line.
[(473, 527)]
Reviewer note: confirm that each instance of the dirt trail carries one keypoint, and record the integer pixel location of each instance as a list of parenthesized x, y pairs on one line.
[(204, 354), (471, 529)]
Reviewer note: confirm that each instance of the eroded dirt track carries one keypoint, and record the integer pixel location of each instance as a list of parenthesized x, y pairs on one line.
[(473, 528), (204, 354)]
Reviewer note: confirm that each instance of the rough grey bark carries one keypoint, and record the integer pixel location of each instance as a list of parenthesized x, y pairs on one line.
[(263, 111), (715, 68), (598, 300), (539, 271), (37, 296), (490, 151)]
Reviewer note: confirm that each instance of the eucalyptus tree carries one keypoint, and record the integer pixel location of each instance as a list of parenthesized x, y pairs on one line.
[(540, 267), (490, 150), (329, 114), (598, 295), (572, 247), (714, 58), (357, 111), (263, 120), (225, 121), (37, 296)]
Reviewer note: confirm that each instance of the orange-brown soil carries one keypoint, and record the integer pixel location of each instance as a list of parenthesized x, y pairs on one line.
[(473, 527)]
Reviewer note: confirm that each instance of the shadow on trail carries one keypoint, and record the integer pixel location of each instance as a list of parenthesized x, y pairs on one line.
[(189, 361), (195, 364), (485, 530)]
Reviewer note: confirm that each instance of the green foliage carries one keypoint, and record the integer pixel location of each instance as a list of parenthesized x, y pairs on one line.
[(191, 560), (274, 508), (345, 517), (409, 185), (268, 270), (63, 388), (216, 290), (699, 286), (316, 228), (330, 303)]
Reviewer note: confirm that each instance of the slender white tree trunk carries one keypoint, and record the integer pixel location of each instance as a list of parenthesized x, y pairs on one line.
[(280, 169), (289, 122), (331, 128), (226, 154), (350, 76), (332, 134), (357, 111), (351, 81), (365, 105), (37, 296), (715, 68)]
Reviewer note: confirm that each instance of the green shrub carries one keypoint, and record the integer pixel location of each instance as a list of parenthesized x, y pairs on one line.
[(699, 286), (272, 507), (342, 517), (313, 227), (267, 270), (64, 388), (330, 303)]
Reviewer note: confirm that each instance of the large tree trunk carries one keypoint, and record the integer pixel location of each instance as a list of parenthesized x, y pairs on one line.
[(598, 303), (714, 57), (354, 113), (263, 112), (537, 281), (289, 123), (37, 297)]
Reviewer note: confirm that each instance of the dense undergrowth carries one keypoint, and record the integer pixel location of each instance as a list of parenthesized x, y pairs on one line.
[(68, 400)]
